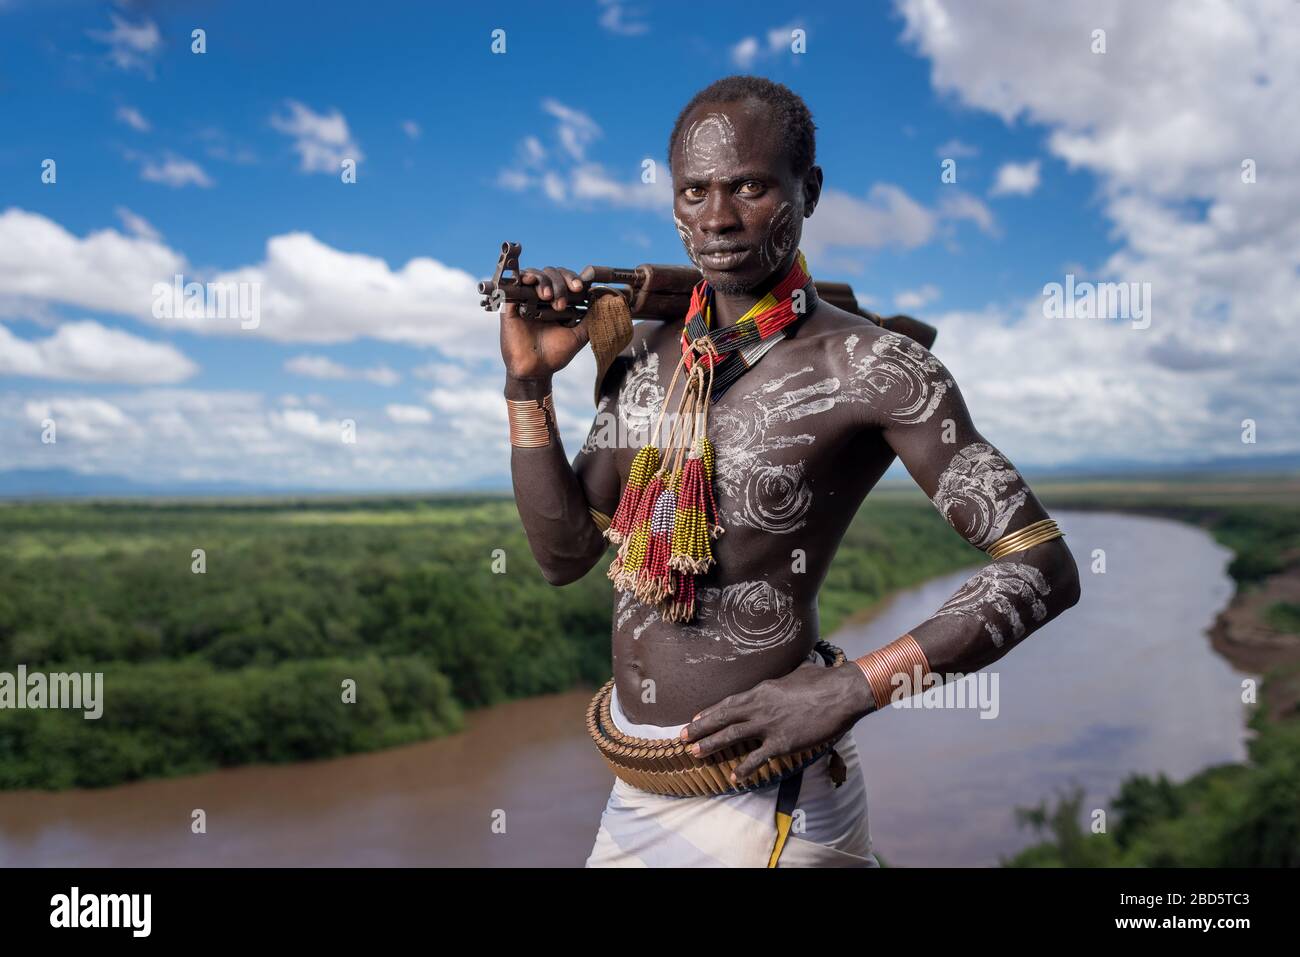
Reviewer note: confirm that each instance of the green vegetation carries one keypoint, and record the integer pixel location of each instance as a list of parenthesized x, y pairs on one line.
[(246, 662), (1233, 815), (1284, 616), (1237, 815)]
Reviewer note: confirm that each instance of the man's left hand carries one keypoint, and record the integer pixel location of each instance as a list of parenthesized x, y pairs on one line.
[(784, 714)]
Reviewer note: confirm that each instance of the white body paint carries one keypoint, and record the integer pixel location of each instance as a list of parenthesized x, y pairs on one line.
[(996, 595), (641, 397), (973, 494), (902, 370)]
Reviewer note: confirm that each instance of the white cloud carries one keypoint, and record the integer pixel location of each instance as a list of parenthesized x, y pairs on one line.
[(131, 46), (565, 176), (133, 118), (617, 17), (137, 225), (89, 352), (409, 414), (322, 367), (175, 171), (309, 292), (106, 270), (411, 129), (888, 216), (168, 434), (1164, 120), (575, 129), (956, 149), (1016, 179), (745, 52), (322, 140), (86, 418), (748, 51), (956, 206), (912, 299)]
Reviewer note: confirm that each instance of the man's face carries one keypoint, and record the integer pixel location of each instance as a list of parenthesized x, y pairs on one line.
[(737, 204)]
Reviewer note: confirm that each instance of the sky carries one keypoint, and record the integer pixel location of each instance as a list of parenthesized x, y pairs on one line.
[(359, 167)]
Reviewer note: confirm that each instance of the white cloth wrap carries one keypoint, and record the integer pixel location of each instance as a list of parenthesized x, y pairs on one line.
[(641, 829)]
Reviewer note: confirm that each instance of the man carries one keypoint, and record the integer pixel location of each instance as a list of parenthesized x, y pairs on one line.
[(801, 437)]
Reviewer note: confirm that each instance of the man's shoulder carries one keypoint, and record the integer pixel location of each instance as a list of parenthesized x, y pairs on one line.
[(830, 334), (639, 359)]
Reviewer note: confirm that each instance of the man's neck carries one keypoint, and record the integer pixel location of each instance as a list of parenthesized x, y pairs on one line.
[(729, 307)]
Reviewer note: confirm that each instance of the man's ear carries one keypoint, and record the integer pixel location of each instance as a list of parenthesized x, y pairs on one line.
[(812, 190)]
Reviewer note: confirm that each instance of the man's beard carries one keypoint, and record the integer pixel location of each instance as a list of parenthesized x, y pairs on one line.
[(734, 285)]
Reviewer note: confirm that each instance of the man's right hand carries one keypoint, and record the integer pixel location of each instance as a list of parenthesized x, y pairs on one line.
[(536, 349)]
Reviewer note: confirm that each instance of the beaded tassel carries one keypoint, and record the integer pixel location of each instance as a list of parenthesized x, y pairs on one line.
[(682, 607), (644, 465), (653, 582), (632, 554), (697, 513)]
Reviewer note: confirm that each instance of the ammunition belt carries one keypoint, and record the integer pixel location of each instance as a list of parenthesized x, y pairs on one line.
[(664, 766)]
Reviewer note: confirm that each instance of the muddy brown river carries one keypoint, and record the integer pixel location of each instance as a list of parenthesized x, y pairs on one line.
[(1124, 682)]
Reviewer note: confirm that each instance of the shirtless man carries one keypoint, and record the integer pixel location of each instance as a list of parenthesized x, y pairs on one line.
[(801, 439)]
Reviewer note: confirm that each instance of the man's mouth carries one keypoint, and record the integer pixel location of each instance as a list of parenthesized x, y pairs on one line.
[(723, 258)]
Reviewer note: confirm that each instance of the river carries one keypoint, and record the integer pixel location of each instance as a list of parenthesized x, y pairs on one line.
[(1124, 682)]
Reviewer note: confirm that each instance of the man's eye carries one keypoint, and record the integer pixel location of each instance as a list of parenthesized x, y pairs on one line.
[(694, 192), (751, 187)]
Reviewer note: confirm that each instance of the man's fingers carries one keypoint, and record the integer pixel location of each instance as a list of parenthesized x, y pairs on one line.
[(559, 287), (733, 734), (714, 719), (753, 761)]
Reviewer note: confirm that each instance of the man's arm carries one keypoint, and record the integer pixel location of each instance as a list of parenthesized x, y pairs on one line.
[(921, 414), (554, 500), (908, 396), (564, 509)]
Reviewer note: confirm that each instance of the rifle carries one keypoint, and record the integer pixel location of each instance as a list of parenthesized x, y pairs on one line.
[(654, 291)]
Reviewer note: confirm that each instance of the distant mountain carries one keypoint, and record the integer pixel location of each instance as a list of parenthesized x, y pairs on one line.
[(65, 483)]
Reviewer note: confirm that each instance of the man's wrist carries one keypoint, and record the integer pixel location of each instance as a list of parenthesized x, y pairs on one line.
[(862, 701), (530, 387), (880, 669)]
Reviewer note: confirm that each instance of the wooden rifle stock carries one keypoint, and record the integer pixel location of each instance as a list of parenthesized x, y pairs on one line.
[(658, 292)]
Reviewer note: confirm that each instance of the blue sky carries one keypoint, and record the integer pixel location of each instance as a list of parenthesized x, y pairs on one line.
[(226, 163)]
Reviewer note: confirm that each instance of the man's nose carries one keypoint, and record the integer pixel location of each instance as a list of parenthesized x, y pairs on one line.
[(720, 215)]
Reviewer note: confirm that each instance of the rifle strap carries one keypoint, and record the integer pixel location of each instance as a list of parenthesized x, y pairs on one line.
[(609, 330)]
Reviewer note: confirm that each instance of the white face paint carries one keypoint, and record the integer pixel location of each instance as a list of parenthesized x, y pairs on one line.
[(899, 376), (685, 233), (709, 143), (973, 494), (996, 595), (641, 397), (780, 236)]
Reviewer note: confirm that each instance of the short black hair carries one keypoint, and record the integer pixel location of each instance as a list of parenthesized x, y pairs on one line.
[(797, 128)]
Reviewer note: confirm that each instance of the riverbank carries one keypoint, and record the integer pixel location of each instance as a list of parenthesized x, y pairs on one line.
[(1259, 520), (1229, 815), (528, 764), (315, 628)]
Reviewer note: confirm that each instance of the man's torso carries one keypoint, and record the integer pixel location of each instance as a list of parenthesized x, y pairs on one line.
[(794, 462)]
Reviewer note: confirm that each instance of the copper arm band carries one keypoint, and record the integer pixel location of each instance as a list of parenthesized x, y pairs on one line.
[(900, 656), (531, 421)]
